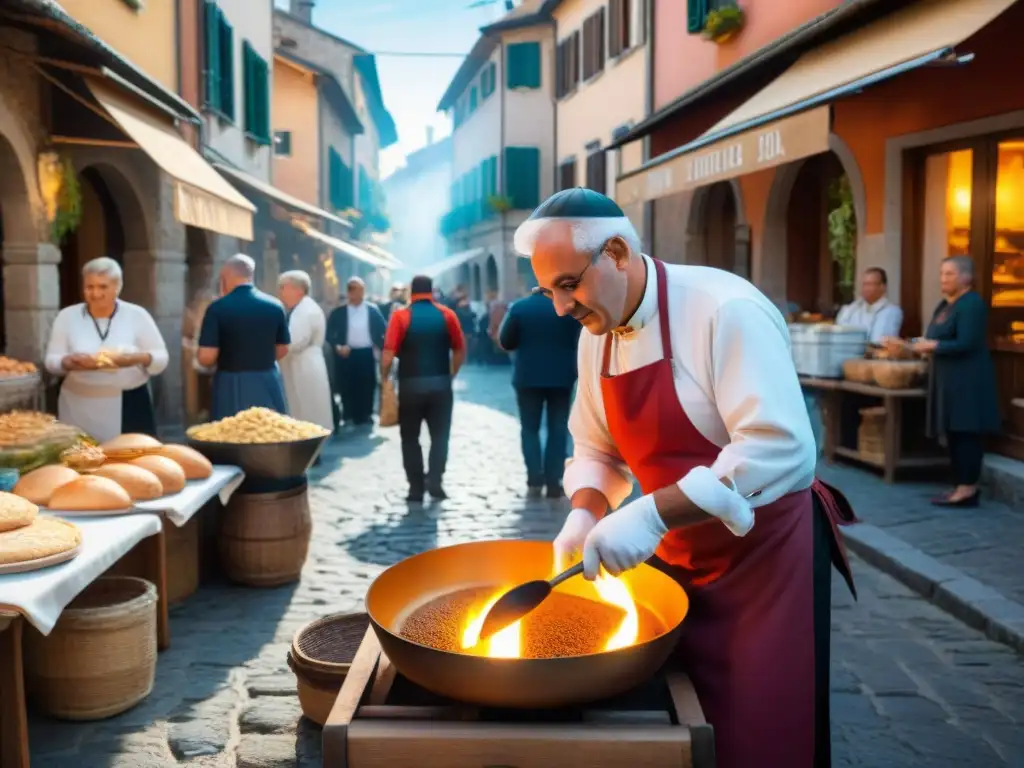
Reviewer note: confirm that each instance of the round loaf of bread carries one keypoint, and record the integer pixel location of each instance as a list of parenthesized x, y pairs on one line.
[(90, 494), (129, 446), (45, 536), (196, 466), (141, 484), (15, 512), (38, 485), (172, 476)]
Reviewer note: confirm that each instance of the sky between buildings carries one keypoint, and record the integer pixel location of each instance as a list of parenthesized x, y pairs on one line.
[(412, 85)]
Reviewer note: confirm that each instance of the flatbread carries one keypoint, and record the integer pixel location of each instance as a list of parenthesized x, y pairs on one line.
[(15, 512), (44, 537)]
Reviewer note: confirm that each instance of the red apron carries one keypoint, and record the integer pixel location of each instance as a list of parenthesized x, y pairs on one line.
[(748, 641)]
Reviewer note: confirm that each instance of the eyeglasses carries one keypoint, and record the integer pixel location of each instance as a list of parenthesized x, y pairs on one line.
[(570, 284)]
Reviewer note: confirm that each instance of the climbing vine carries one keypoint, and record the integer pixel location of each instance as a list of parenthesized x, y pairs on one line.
[(69, 203), (842, 235)]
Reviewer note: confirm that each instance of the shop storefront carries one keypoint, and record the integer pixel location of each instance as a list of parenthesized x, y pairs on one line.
[(894, 145)]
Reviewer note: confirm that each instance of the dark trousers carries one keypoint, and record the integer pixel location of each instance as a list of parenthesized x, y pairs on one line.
[(966, 452), (137, 413), (544, 466), (357, 382), (822, 636), (434, 408)]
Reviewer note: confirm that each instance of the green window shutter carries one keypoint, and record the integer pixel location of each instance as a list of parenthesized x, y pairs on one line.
[(456, 194), (334, 178), (522, 177), (264, 101), (696, 14), (211, 19), (226, 35), (492, 174), (523, 65), (472, 100), (248, 87), (493, 77)]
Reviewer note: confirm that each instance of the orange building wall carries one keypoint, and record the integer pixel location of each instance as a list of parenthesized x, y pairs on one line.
[(683, 61), (295, 108), (189, 61)]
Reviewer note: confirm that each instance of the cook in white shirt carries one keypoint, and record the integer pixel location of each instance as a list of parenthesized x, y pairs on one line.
[(873, 311), (304, 369), (686, 383), (105, 403)]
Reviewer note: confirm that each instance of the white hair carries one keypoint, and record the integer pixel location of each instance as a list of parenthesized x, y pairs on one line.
[(355, 281), (588, 235), (298, 278), (106, 267), (241, 265)]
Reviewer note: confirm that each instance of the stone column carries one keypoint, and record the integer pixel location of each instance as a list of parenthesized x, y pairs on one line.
[(31, 297)]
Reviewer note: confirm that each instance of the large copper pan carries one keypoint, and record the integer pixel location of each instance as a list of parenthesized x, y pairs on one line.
[(519, 683)]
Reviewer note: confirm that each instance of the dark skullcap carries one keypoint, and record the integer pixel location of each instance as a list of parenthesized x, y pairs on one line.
[(578, 204)]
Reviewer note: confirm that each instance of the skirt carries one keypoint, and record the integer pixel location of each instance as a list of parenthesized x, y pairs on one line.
[(234, 392)]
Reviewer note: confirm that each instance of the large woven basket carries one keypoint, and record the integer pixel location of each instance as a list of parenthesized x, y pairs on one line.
[(871, 433), (899, 374), (859, 369), (100, 658), (321, 654)]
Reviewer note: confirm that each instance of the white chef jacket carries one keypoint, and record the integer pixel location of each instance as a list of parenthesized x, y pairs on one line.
[(91, 400), (881, 319), (734, 377), (304, 369), (359, 326)]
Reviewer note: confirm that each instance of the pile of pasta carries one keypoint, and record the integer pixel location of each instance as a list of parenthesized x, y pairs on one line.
[(257, 425)]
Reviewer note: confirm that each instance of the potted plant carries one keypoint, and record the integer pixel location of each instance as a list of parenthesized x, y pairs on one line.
[(723, 23), (499, 203)]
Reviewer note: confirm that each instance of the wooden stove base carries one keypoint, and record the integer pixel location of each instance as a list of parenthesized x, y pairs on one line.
[(364, 732)]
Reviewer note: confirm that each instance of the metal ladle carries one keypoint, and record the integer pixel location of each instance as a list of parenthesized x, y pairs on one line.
[(521, 600)]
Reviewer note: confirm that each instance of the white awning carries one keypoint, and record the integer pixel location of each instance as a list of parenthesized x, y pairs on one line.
[(202, 197), (348, 249), (376, 250), (277, 195), (456, 260)]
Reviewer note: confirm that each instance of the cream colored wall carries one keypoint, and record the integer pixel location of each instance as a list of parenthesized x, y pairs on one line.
[(145, 36), (479, 135), (252, 21), (294, 108), (530, 112), (608, 100)]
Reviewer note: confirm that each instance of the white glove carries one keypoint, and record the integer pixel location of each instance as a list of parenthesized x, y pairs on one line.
[(623, 539), (570, 539), (703, 488)]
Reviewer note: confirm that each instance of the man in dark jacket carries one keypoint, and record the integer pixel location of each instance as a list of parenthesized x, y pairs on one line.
[(353, 331), (544, 373), (427, 339)]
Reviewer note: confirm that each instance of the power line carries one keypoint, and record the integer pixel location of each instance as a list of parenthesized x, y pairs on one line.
[(422, 54)]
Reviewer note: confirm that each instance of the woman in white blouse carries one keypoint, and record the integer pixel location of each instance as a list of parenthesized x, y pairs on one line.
[(106, 394)]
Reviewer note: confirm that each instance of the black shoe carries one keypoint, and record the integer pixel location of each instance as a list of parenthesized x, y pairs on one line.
[(437, 493), (415, 497), (534, 491), (556, 492), (967, 502)]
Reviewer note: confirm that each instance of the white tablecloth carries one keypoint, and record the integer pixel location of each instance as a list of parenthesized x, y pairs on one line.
[(40, 596), (180, 507)]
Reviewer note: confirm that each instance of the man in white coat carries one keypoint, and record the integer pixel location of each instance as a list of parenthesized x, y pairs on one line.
[(306, 386)]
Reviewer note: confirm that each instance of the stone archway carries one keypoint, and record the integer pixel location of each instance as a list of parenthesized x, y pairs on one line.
[(464, 278), (717, 230), (771, 267)]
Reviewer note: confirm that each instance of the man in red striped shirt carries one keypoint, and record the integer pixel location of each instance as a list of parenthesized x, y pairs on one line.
[(427, 338)]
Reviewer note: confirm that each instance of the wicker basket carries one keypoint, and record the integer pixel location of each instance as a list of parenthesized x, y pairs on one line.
[(899, 374), (17, 392), (100, 658), (182, 559), (859, 369), (871, 433), (264, 537), (321, 654)]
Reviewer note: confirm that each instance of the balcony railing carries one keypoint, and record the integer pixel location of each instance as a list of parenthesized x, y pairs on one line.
[(465, 216)]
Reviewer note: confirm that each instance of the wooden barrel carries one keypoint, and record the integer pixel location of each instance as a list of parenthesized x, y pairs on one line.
[(100, 658), (182, 559), (264, 537)]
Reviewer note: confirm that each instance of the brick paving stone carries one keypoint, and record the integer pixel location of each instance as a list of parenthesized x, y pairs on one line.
[(911, 686)]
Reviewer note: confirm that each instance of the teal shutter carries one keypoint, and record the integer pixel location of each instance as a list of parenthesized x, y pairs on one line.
[(522, 177), (226, 36), (696, 15), (492, 174), (248, 87), (264, 101), (334, 178), (256, 78), (523, 66), (211, 19), (472, 100)]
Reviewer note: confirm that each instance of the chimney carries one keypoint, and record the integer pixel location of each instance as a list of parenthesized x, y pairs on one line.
[(302, 9), (430, 135)]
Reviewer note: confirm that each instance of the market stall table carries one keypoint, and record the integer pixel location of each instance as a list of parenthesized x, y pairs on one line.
[(40, 596), (893, 400)]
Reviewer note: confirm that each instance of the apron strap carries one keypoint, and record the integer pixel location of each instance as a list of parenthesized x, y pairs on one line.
[(666, 338), (839, 512)]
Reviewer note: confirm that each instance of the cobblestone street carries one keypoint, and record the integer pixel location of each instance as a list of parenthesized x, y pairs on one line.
[(911, 686)]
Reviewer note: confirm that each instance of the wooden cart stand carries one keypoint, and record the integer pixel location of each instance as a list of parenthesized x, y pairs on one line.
[(146, 560), (364, 731)]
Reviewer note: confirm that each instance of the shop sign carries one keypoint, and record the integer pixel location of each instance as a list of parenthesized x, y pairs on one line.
[(783, 141)]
